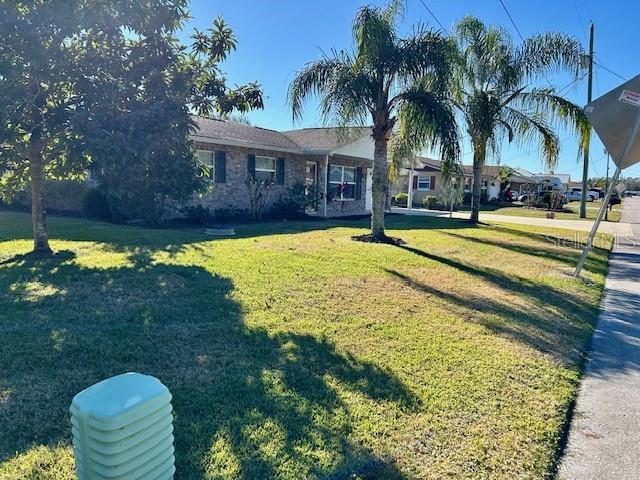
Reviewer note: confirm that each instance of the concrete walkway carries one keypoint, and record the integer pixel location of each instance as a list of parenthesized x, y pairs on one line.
[(604, 437), (622, 229)]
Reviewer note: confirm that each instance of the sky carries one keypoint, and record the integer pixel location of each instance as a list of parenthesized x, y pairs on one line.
[(277, 37)]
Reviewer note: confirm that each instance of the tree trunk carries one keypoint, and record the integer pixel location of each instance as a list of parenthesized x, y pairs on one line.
[(36, 171), (479, 154), (380, 187)]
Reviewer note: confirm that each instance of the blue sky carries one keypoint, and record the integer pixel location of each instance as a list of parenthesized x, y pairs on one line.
[(277, 37)]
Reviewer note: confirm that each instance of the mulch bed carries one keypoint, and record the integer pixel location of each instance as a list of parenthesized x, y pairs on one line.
[(370, 238)]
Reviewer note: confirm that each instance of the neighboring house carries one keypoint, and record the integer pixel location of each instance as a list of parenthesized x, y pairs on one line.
[(556, 182), (425, 179), (334, 164)]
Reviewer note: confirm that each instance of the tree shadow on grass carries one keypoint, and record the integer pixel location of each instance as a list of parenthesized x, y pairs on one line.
[(569, 254), (555, 322), (248, 403)]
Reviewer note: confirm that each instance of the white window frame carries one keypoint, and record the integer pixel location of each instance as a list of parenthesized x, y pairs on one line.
[(342, 168), (271, 171), (422, 179), (211, 177)]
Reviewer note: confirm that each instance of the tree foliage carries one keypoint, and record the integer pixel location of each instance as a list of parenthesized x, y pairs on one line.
[(395, 84), (492, 90), (107, 85)]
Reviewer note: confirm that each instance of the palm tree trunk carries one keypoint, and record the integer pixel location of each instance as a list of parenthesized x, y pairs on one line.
[(380, 187), (479, 154), (36, 171)]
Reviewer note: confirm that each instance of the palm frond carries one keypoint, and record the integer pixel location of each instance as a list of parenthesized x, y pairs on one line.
[(562, 111), (425, 52), (375, 35), (344, 92), (529, 128), (426, 120), (549, 52)]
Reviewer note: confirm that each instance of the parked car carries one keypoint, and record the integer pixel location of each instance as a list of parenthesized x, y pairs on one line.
[(576, 194), (511, 196), (524, 197), (597, 190)]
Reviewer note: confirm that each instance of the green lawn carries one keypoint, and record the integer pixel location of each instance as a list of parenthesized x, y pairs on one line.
[(293, 352), (522, 211)]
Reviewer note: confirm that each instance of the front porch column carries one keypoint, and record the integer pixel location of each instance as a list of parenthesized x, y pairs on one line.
[(410, 194)]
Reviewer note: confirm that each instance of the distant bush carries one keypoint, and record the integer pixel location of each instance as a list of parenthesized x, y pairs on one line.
[(95, 204), (197, 215), (429, 202), (60, 196), (401, 199)]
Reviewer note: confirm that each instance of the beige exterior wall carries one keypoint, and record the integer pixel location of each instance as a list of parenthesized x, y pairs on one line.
[(401, 185)]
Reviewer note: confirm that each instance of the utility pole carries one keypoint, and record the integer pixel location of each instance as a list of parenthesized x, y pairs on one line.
[(585, 167), (606, 184)]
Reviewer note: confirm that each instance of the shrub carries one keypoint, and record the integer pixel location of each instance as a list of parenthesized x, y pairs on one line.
[(197, 215), (95, 204), (232, 214), (429, 202), (401, 199), (290, 206), (545, 200)]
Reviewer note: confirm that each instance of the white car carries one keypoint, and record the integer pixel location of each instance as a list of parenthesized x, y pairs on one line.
[(574, 194)]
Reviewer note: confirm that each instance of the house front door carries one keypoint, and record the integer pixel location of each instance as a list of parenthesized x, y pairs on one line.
[(368, 198), (311, 187)]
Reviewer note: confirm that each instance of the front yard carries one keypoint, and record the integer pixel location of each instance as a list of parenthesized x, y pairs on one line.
[(293, 352)]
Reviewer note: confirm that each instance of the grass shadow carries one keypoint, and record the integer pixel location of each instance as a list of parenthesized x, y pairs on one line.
[(248, 403)]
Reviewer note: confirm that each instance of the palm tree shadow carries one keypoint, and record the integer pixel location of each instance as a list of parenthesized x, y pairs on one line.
[(247, 402), (554, 322)]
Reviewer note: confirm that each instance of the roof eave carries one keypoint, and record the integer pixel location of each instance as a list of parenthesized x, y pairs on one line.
[(237, 143)]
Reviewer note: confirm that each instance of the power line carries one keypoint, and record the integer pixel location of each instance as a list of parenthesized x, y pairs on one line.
[(433, 15), (512, 21), (599, 64), (506, 10), (582, 27), (569, 85)]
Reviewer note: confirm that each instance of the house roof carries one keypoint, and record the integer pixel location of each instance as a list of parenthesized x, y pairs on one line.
[(241, 134), (563, 177), (306, 140), (325, 140)]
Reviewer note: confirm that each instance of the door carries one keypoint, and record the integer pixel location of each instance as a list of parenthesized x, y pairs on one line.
[(368, 198), (311, 187)]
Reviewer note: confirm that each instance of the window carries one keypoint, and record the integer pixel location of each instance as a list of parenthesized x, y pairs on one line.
[(207, 159), (424, 183), (342, 182), (265, 168)]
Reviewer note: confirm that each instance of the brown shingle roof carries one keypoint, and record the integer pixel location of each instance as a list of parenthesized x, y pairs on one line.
[(325, 139), (246, 134)]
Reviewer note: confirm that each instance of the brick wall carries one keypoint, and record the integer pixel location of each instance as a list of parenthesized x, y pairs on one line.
[(337, 208), (233, 194)]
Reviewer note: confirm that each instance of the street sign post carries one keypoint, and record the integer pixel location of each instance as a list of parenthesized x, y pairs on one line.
[(616, 119)]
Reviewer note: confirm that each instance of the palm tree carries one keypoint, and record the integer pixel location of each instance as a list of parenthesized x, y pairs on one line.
[(397, 85), (493, 89)]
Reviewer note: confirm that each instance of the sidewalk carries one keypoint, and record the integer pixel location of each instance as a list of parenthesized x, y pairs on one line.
[(604, 435), (621, 229)]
